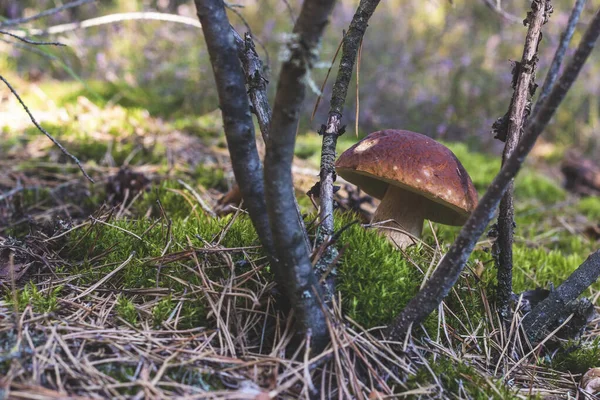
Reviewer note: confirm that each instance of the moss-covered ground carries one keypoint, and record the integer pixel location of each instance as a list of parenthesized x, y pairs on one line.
[(156, 260), (133, 282)]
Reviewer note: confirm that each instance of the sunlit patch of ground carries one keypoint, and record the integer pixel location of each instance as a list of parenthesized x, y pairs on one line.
[(131, 287)]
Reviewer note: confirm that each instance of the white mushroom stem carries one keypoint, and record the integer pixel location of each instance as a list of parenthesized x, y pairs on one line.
[(407, 210)]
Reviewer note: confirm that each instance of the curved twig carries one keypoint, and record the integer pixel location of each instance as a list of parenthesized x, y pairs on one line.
[(45, 132), (43, 14)]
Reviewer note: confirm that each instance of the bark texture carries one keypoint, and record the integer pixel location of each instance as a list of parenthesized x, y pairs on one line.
[(548, 311), (332, 130), (294, 268), (237, 120), (524, 88)]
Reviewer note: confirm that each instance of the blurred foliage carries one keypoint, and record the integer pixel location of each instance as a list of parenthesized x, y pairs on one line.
[(438, 67)]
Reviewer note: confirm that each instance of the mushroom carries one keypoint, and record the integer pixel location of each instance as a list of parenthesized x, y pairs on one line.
[(415, 177)]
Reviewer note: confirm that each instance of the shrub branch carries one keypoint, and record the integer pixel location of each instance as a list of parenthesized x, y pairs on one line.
[(45, 132), (332, 129), (237, 120), (43, 14), (294, 264), (548, 311), (559, 55), (449, 269), (524, 87)]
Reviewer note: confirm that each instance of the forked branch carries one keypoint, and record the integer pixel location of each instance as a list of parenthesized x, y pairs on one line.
[(294, 266), (511, 130), (237, 120)]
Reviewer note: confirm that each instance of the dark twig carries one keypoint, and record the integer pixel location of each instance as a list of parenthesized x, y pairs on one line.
[(332, 129), (257, 90), (233, 8), (256, 81), (45, 132), (43, 14), (561, 50), (295, 268), (548, 311), (449, 269), (524, 87), (29, 41), (237, 120)]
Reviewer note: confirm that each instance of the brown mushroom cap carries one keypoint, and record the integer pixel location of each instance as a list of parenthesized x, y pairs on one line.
[(413, 162)]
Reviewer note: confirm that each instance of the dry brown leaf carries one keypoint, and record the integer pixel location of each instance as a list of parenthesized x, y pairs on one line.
[(590, 382)]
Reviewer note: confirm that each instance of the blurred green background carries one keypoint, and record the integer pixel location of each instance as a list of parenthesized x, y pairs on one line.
[(438, 67)]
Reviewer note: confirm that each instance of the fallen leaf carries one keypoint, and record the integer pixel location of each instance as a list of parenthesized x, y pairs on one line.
[(590, 382)]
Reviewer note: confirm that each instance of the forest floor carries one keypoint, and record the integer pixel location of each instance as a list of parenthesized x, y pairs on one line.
[(149, 284)]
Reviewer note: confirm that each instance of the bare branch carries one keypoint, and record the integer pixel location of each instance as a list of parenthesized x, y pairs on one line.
[(331, 130), (256, 81), (237, 120), (43, 14), (559, 55), (29, 41), (45, 132), (524, 87), (547, 312), (299, 280), (449, 269), (257, 90)]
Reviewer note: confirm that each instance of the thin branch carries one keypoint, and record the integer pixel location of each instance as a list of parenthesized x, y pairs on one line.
[(43, 14), (41, 129), (559, 55), (256, 81), (111, 19), (29, 41), (524, 87), (449, 269), (549, 310), (237, 120), (294, 266), (332, 129), (257, 90), (233, 9)]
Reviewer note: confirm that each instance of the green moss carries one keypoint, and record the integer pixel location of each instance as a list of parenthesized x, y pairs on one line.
[(460, 379), (577, 359), (210, 177), (537, 267), (136, 248), (532, 185), (200, 127), (126, 310), (152, 98), (590, 207), (375, 279), (40, 301)]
